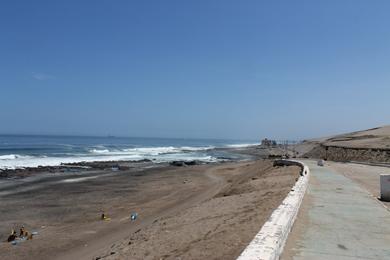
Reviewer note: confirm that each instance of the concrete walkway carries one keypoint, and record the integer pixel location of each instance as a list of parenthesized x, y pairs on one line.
[(338, 220)]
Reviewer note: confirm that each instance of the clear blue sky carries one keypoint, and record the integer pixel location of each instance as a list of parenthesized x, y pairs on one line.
[(224, 69)]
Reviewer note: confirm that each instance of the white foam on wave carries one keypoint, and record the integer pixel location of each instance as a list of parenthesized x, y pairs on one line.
[(151, 151), (157, 154), (13, 156), (99, 151), (154, 150), (241, 145), (191, 148), (55, 161)]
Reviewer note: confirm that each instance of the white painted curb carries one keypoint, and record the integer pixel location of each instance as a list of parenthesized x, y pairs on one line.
[(269, 242)]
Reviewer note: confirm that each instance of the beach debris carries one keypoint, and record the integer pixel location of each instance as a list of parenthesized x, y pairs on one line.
[(188, 163), (133, 216), (105, 217), (184, 163), (3, 174), (177, 163)]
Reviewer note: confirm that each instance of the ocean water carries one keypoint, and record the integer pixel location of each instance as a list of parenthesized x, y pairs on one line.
[(17, 151)]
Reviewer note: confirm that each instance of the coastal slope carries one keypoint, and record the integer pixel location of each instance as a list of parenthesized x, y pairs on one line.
[(371, 145)]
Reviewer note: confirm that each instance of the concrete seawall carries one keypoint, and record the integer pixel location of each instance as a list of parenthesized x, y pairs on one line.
[(269, 242)]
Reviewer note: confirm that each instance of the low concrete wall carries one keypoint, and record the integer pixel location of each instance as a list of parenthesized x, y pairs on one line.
[(269, 242)]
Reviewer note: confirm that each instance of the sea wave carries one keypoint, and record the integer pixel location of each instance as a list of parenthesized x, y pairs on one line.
[(149, 151), (241, 145), (99, 151), (153, 150), (112, 153), (156, 154), (13, 156), (202, 148)]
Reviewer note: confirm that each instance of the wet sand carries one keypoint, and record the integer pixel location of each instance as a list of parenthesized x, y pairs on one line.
[(203, 211)]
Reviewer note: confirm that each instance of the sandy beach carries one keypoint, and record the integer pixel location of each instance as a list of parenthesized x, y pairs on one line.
[(195, 212)]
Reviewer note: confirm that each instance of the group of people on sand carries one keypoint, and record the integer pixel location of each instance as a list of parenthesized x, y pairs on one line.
[(23, 234)]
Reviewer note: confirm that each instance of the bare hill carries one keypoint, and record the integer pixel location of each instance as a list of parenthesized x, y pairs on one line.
[(372, 145), (378, 137)]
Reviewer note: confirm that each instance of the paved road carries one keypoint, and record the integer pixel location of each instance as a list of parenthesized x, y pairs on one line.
[(338, 220)]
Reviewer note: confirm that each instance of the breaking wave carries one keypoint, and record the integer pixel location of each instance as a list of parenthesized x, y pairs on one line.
[(156, 154), (44, 154), (99, 151), (241, 145), (13, 156)]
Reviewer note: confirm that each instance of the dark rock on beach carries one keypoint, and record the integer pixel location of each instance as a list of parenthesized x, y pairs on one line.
[(184, 163)]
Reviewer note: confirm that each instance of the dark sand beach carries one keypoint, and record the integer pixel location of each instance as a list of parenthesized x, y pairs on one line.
[(194, 212)]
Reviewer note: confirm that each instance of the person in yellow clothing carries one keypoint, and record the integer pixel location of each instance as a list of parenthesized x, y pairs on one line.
[(22, 231)]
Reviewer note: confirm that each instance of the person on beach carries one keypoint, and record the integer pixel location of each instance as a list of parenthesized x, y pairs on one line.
[(104, 217), (12, 237), (22, 231)]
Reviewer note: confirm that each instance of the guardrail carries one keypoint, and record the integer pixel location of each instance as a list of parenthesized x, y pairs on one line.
[(269, 242)]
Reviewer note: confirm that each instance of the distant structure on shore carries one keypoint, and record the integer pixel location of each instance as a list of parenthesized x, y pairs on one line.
[(268, 143)]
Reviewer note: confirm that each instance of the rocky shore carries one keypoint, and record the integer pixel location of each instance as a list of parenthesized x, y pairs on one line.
[(252, 152)]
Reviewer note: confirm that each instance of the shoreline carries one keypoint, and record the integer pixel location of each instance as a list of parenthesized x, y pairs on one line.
[(236, 154), (21, 155)]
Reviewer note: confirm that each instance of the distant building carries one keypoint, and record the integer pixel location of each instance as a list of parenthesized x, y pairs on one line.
[(268, 143)]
